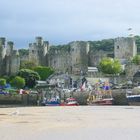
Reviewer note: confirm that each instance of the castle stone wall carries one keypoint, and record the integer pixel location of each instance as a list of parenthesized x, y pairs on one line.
[(38, 51), (8, 62), (125, 48), (79, 56)]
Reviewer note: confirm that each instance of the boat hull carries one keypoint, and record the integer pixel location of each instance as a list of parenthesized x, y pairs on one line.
[(133, 99), (109, 101)]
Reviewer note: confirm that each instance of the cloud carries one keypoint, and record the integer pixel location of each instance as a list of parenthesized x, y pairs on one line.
[(60, 21)]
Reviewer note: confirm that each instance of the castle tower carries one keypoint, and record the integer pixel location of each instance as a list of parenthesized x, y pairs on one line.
[(38, 51), (15, 62), (2, 48), (9, 50), (10, 46), (39, 41), (125, 48), (79, 56), (2, 55)]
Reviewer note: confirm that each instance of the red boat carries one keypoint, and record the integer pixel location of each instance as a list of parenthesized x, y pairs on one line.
[(102, 95), (70, 102), (100, 100), (104, 101)]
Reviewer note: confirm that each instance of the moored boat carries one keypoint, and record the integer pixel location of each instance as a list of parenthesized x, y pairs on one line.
[(102, 95), (70, 102), (51, 102), (132, 98), (102, 100), (55, 102)]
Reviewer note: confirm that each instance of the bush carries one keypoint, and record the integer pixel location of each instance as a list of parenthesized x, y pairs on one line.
[(18, 82), (44, 72), (2, 82), (29, 76)]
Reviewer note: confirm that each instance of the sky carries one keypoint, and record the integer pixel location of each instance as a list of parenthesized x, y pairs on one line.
[(63, 21)]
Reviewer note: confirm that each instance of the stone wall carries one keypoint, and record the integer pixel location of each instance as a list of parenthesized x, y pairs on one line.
[(38, 51), (96, 57), (9, 58), (79, 56), (59, 60), (125, 48)]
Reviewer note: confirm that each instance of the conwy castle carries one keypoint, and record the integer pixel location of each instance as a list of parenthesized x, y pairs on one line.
[(76, 57)]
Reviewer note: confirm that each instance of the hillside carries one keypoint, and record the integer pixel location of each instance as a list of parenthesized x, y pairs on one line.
[(105, 45)]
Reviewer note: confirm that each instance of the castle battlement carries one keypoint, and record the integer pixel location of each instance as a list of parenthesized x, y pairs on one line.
[(9, 58)]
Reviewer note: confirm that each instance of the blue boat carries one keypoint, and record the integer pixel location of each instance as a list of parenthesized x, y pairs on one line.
[(132, 98), (51, 102)]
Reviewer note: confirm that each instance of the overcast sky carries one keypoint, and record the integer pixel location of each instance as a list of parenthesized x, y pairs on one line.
[(62, 21)]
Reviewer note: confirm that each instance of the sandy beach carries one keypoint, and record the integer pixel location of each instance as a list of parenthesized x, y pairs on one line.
[(70, 123)]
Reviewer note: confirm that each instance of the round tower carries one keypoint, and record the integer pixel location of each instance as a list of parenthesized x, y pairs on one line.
[(10, 46), (45, 48), (79, 56), (125, 48), (39, 41), (2, 48)]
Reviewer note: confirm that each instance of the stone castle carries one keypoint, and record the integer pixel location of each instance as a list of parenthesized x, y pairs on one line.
[(9, 58), (74, 59)]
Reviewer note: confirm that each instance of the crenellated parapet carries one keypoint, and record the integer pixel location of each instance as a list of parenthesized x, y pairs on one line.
[(38, 51), (2, 40), (125, 48), (10, 47), (9, 58)]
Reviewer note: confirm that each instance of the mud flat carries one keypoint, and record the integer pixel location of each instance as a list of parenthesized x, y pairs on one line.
[(70, 123)]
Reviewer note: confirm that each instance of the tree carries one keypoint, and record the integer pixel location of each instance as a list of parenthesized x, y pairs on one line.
[(110, 66), (23, 52), (18, 82), (2, 82), (30, 77), (44, 72), (28, 65), (136, 60)]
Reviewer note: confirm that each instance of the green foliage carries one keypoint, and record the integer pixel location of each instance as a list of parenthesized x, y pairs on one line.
[(2, 82), (18, 82), (136, 60), (44, 72), (62, 48), (28, 65), (9, 78), (110, 66), (105, 45), (30, 77), (23, 52)]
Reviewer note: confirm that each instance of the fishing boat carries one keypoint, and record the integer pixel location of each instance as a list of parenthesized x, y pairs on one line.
[(101, 96), (51, 102), (133, 98), (70, 102), (56, 102)]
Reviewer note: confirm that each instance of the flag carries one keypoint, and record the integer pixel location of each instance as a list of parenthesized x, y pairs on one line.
[(21, 91), (83, 87)]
